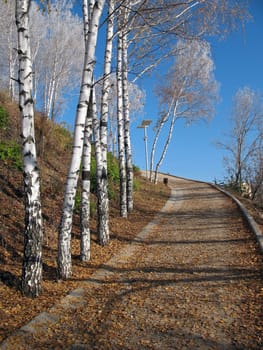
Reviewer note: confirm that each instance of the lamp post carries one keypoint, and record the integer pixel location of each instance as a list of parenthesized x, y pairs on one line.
[(144, 125)]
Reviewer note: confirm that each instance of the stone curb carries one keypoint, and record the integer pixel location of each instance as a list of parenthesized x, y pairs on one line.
[(249, 219)]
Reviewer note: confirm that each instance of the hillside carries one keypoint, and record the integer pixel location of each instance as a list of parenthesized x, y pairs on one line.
[(54, 145)]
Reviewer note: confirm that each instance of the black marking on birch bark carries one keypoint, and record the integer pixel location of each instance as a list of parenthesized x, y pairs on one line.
[(28, 154), (104, 174), (103, 124), (71, 178), (32, 259), (29, 116), (89, 85), (20, 52), (28, 139), (27, 76), (85, 175), (22, 93)]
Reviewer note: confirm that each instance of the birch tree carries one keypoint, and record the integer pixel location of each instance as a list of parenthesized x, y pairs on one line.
[(159, 24), (8, 46), (126, 115), (64, 245), (188, 91), (102, 172), (136, 102), (32, 260), (244, 143), (121, 146), (85, 193), (58, 71)]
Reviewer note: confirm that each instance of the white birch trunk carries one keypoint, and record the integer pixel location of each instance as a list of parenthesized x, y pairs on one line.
[(102, 219), (167, 142), (122, 163), (86, 159), (51, 92), (85, 193), (102, 173), (32, 260), (126, 114), (11, 76), (64, 246), (158, 132)]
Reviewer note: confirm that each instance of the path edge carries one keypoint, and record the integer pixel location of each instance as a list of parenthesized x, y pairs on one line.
[(253, 226)]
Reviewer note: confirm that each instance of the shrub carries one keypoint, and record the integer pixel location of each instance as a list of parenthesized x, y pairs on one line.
[(113, 168), (136, 185), (3, 118), (136, 170), (11, 152)]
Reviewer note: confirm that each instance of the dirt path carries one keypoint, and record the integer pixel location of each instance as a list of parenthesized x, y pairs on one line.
[(191, 280)]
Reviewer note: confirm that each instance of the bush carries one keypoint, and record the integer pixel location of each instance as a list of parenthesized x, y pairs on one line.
[(11, 152), (113, 168), (136, 170), (136, 185), (3, 118)]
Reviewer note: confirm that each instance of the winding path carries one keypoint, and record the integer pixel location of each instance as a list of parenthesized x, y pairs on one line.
[(190, 280)]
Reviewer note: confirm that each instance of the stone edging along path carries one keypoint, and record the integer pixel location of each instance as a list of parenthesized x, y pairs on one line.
[(251, 222), (249, 219)]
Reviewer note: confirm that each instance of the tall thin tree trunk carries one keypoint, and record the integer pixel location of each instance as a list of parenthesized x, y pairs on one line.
[(33, 237), (167, 142), (122, 163), (126, 114), (156, 138), (85, 193), (86, 158), (64, 246), (102, 219), (103, 200), (11, 75)]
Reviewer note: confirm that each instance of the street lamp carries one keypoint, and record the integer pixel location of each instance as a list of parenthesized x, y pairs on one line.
[(144, 125)]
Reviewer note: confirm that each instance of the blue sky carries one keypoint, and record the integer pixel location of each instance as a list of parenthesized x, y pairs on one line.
[(192, 154)]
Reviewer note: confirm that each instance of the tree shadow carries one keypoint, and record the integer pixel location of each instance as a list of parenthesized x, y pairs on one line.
[(9, 187), (49, 272), (10, 280)]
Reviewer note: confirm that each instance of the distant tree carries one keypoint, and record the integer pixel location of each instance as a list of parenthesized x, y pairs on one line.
[(32, 261), (8, 47), (158, 25), (189, 90), (136, 105), (244, 144), (58, 70)]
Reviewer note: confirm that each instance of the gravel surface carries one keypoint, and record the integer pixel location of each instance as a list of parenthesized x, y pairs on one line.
[(191, 280)]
